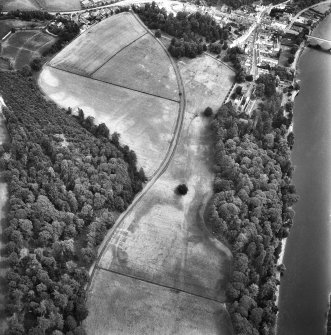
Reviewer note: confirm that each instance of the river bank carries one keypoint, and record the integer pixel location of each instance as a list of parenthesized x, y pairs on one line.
[(306, 283)]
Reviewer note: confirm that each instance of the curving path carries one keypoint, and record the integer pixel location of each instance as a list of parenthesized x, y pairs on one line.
[(159, 270), (162, 168)]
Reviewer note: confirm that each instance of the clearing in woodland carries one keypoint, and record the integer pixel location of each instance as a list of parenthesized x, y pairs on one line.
[(163, 245), (139, 98)]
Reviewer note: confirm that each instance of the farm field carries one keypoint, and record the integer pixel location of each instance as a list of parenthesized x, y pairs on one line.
[(145, 122), (59, 5), (9, 5), (23, 46), (153, 74), (49, 5), (139, 97), (6, 25), (112, 53), (164, 239), (97, 45), (124, 306)]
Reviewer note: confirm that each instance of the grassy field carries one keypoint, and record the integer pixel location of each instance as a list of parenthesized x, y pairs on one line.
[(49, 5), (98, 44), (164, 240), (6, 25), (23, 46), (59, 5), (164, 221), (19, 38), (125, 306), (9, 5), (153, 74), (141, 68), (113, 53), (146, 123)]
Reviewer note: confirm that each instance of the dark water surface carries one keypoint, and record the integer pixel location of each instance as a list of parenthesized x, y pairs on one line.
[(306, 285)]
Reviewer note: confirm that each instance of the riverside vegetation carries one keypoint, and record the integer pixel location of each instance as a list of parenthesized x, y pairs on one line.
[(67, 179), (251, 210)]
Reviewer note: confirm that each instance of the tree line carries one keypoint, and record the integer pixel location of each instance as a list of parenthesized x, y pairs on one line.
[(28, 15), (235, 4), (67, 177), (251, 210), (192, 32)]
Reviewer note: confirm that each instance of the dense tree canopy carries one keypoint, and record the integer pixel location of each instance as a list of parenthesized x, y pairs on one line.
[(191, 31), (251, 208), (67, 178)]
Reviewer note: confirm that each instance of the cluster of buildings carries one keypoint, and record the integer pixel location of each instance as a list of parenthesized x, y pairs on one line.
[(267, 50)]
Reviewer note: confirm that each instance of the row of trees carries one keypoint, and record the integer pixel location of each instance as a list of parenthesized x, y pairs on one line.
[(239, 3), (251, 210), (192, 31), (67, 177), (28, 15)]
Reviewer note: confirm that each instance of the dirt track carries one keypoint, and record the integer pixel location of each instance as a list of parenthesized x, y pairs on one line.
[(159, 271)]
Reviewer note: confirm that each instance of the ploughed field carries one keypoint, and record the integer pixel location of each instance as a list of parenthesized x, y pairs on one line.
[(49, 5), (22, 46), (118, 73)]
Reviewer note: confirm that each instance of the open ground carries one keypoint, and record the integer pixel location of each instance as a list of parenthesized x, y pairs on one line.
[(9, 5), (121, 56), (7, 25), (164, 242), (22, 46), (137, 96), (49, 5), (161, 271)]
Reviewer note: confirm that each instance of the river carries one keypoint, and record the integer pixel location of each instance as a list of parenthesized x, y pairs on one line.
[(306, 284)]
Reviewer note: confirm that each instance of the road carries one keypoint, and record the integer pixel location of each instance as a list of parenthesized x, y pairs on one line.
[(158, 173), (302, 11)]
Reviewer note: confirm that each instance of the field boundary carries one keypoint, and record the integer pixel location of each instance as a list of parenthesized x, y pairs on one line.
[(118, 85), (116, 53), (160, 285), (158, 173)]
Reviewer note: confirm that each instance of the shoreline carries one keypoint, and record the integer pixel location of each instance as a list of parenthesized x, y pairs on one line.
[(303, 48)]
